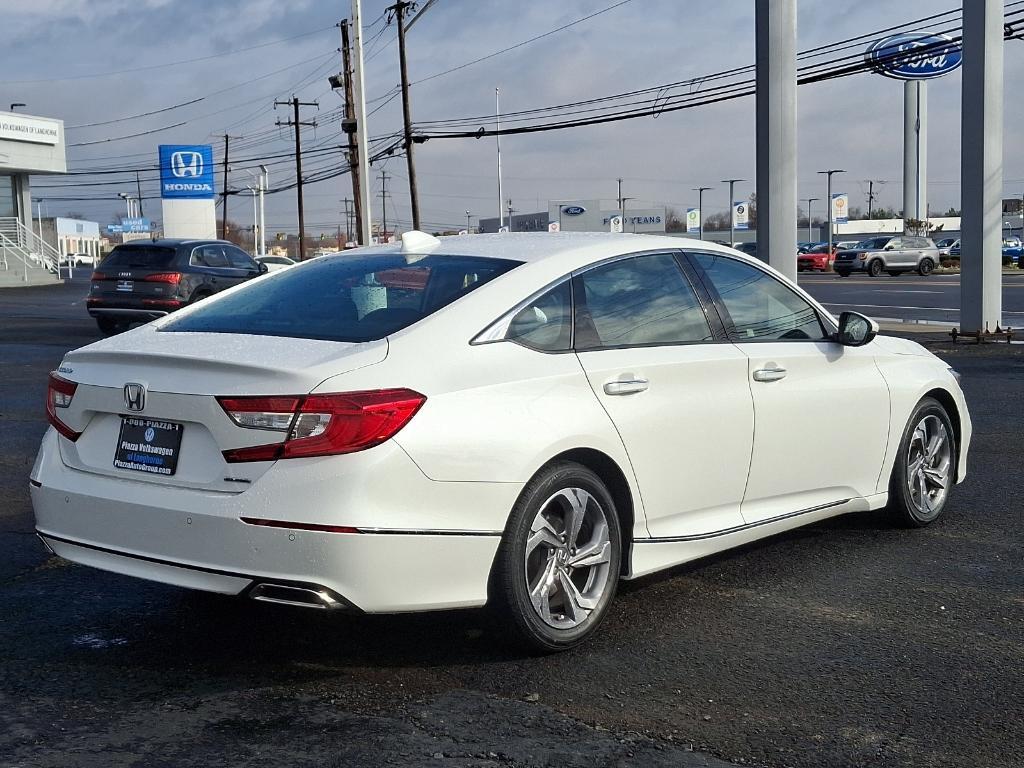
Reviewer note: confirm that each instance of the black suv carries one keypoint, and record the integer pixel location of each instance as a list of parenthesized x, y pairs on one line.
[(144, 279)]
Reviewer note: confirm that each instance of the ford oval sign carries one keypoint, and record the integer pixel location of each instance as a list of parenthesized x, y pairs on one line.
[(914, 55), (574, 210)]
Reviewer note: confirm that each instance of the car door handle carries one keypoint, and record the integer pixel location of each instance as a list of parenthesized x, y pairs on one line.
[(625, 387), (769, 374)]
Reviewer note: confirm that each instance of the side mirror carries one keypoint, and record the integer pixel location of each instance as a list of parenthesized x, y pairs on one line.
[(263, 268), (856, 330)]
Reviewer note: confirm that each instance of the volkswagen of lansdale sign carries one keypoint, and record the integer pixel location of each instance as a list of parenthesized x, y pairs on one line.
[(186, 171), (914, 55)]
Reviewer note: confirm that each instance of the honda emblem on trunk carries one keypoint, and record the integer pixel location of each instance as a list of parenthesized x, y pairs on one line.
[(135, 396)]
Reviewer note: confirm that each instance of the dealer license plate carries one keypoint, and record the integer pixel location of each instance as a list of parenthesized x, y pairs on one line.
[(148, 445)]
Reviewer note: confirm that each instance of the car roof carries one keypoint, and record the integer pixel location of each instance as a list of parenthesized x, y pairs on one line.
[(173, 242), (561, 250)]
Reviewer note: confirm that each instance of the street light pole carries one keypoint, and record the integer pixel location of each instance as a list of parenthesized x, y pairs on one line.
[(700, 209), (828, 202), (469, 227), (732, 217), (809, 201)]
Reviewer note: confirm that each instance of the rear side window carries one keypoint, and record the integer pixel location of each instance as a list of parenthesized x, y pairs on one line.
[(344, 298), (545, 323), (209, 256), (140, 257), (644, 300)]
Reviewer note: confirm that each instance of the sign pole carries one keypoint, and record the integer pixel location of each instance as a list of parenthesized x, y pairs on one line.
[(915, 150)]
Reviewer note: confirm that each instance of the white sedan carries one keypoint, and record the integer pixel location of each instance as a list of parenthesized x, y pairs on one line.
[(523, 419), (275, 263)]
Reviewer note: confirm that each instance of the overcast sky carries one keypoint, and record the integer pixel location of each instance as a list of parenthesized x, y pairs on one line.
[(88, 61)]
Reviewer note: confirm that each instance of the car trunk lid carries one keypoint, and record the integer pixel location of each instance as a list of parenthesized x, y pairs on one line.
[(181, 375)]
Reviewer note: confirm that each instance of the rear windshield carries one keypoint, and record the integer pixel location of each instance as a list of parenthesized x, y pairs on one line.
[(344, 298), (140, 257)]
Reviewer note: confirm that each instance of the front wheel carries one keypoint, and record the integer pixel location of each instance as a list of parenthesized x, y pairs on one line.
[(925, 466), (842, 273), (926, 267), (558, 565), (875, 268)]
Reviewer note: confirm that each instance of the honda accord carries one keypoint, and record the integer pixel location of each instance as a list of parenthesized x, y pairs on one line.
[(515, 419)]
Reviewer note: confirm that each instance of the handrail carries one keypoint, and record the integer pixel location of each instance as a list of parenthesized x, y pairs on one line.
[(32, 245)]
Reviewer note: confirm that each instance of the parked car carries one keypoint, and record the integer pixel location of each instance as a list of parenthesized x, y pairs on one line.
[(946, 246), (515, 419), (83, 259), (143, 280), (275, 263), (845, 245), (817, 259), (891, 254)]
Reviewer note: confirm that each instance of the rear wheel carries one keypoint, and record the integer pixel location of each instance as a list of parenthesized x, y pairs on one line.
[(109, 327), (875, 268), (558, 565), (199, 295), (926, 267), (925, 466)]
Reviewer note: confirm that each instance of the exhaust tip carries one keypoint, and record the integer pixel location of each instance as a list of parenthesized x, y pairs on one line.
[(303, 597)]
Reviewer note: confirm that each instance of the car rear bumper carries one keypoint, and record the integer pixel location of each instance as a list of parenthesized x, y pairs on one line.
[(397, 556)]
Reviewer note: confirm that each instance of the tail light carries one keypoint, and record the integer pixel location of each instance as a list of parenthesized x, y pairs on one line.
[(58, 396), (101, 276), (321, 425), (163, 277)]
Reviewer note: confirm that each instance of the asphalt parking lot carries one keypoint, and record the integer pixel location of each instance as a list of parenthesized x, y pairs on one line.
[(932, 299), (848, 643)]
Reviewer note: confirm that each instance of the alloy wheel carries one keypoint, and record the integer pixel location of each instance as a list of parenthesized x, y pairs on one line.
[(929, 466), (568, 558)]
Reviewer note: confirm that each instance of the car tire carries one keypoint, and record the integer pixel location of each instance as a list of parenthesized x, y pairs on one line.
[(925, 267), (842, 273), (111, 327), (552, 589), (892, 273), (875, 268), (925, 467), (199, 295)]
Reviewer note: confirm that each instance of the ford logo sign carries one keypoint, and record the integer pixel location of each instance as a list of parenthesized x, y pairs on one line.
[(573, 210), (914, 55)]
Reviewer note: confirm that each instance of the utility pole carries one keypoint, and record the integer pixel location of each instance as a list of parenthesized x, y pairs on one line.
[(349, 124), (469, 223), (224, 193), (384, 205), (348, 219), (732, 211), (508, 205), (809, 201), (622, 204), (359, 87), (497, 144), (295, 121), (138, 191), (872, 196), (399, 9), (700, 208)]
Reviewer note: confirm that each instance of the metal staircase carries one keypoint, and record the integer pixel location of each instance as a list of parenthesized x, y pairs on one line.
[(25, 258)]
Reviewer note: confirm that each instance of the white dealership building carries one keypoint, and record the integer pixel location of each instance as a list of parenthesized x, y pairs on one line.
[(28, 145)]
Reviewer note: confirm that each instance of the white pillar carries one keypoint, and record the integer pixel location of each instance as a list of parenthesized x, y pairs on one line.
[(915, 150), (776, 134), (981, 166)]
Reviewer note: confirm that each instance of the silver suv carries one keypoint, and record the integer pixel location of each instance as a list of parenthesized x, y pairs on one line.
[(892, 254)]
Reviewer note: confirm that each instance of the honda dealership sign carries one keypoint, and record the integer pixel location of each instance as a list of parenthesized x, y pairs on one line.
[(186, 171)]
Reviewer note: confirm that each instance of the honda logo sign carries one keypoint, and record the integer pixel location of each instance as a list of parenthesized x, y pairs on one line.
[(186, 171), (134, 396), (185, 164)]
